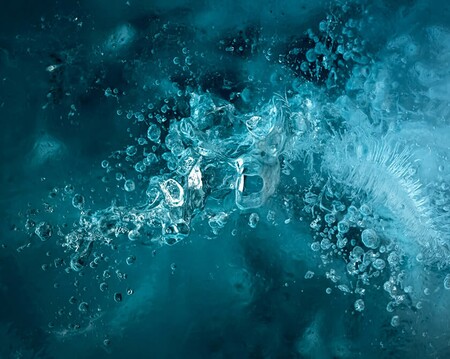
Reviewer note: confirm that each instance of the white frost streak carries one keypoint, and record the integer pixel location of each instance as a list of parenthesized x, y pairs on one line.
[(385, 174)]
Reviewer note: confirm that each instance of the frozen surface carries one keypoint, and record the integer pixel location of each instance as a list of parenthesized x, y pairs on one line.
[(225, 179)]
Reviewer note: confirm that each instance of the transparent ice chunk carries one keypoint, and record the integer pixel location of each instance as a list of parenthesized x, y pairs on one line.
[(173, 193), (255, 182)]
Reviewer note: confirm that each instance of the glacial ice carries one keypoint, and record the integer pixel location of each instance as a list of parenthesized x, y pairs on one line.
[(335, 138)]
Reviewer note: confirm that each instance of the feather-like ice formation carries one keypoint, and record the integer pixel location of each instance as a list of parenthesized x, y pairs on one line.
[(384, 171)]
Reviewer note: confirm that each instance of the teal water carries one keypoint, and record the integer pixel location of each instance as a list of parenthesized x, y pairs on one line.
[(225, 180)]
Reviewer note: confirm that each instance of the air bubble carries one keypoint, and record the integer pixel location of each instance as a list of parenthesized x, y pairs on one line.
[(69, 189), (173, 193), (370, 238), (447, 282), (343, 227), (365, 210), (139, 167), (129, 185), (153, 133), (43, 231), (253, 220), (134, 235), (131, 150), (73, 300), (379, 264), (78, 201), (341, 242), (131, 260), (330, 218), (83, 307), (395, 321), (325, 244), (393, 259), (311, 55), (315, 246), (359, 305)]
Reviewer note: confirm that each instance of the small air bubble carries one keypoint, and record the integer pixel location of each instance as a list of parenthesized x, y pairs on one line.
[(83, 307), (78, 201), (131, 260), (129, 185), (343, 227), (315, 246), (253, 220), (447, 282), (359, 305), (131, 150), (395, 321)]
